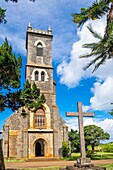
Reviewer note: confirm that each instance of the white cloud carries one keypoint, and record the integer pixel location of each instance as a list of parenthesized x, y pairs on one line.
[(103, 95), (85, 108), (68, 73), (73, 124), (103, 124), (71, 72)]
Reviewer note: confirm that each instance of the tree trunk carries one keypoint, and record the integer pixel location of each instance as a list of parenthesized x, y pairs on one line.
[(109, 20), (2, 165), (93, 147), (110, 15), (108, 29)]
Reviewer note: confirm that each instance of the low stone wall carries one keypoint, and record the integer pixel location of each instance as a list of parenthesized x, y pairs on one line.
[(2, 165)]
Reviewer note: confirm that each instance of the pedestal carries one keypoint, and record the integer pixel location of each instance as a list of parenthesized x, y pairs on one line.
[(83, 161)]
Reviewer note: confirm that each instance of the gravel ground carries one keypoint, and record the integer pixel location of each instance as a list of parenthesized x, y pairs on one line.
[(14, 165)]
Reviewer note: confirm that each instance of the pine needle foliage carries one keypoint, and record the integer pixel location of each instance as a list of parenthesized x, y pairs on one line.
[(30, 97), (10, 65), (2, 15)]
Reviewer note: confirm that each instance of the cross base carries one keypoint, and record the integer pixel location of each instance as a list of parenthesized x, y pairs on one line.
[(83, 161)]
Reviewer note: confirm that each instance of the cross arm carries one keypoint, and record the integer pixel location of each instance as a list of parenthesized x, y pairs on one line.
[(87, 114), (72, 114)]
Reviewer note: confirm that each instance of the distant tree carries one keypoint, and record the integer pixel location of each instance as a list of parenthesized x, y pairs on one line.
[(75, 140), (103, 49), (93, 135), (111, 112), (3, 11)]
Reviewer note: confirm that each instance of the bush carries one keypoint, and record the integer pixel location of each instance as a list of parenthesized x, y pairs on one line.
[(107, 147), (65, 149), (89, 153)]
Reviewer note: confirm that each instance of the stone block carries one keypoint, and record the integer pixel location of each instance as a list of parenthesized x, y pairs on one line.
[(83, 161)]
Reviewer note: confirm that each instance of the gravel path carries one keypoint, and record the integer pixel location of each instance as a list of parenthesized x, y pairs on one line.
[(14, 165)]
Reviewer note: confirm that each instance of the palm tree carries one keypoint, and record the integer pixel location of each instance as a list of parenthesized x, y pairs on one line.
[(103, 49)]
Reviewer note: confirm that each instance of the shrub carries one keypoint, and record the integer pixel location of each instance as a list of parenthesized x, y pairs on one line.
[(65, 149), (107, 147), (89, 153)]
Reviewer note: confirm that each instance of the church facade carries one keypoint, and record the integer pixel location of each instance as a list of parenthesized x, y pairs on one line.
[(39, 134)]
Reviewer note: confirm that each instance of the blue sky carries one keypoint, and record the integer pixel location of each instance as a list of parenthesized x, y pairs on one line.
[(74, 84)]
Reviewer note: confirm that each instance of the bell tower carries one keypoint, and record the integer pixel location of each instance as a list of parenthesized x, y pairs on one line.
[(39, 58)]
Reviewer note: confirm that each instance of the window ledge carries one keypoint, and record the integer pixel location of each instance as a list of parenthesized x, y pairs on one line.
[(40, 130)]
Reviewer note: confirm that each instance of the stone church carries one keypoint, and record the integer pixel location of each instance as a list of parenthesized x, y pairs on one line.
[(39, 134)]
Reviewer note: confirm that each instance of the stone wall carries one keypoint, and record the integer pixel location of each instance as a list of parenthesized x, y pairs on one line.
[(47, 137), (13, 136)]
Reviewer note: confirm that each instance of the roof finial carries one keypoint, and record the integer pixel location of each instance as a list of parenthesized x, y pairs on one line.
[(29, 26), (49, 30)]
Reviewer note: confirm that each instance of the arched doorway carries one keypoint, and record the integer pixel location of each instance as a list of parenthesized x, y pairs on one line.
[(39, 148)]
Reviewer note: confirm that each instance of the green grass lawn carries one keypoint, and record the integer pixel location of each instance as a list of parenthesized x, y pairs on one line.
[(102, 155), (95, 156), (14, 160), (108, 166)]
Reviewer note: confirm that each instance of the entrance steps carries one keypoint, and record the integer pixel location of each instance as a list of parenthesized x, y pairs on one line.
[(41, 159)]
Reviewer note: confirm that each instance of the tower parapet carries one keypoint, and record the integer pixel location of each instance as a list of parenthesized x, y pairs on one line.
[(33, 30)]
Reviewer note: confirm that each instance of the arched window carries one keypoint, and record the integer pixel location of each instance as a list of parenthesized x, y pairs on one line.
[(39, 49), (40, 118), (42, 76), (36, 76)]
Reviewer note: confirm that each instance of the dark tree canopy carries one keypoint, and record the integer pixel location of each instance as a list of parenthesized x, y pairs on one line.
[(93, 135), (103, 49), (111, 112), (75, 140), (9, 67), (2, 15), (9, 73), (30, 97)]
